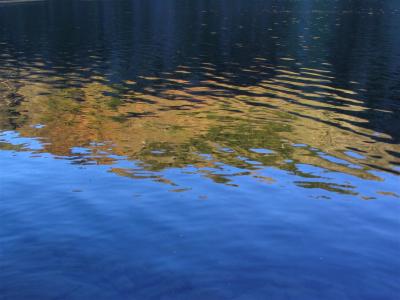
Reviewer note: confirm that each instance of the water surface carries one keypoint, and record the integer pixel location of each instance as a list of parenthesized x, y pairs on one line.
[(199, 149)]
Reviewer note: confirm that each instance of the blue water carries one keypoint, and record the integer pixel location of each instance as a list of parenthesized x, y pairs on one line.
[(73, 233), (193, 150)]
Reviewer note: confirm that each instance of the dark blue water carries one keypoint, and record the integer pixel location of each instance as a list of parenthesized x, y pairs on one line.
[(199, 149)]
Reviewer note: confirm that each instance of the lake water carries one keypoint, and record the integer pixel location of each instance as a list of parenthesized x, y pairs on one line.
[(199, 149)]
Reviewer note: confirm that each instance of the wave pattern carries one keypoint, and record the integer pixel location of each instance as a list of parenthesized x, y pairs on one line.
[(290, 116)]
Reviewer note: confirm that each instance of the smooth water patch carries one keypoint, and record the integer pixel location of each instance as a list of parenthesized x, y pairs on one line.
[(119, 237)]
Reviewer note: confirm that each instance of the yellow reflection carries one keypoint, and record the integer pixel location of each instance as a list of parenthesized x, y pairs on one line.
[(171, 122)]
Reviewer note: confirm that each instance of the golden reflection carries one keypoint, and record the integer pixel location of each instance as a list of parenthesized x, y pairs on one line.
[(297, 117)]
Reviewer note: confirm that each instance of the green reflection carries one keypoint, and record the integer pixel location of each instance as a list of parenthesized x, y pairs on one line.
[(295, 117)]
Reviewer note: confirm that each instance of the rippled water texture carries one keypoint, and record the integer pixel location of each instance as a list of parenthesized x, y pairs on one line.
[(194, 149)]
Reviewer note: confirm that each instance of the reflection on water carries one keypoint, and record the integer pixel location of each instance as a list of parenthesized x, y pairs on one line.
[(296, 116), (300, 96), (195, 115)]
